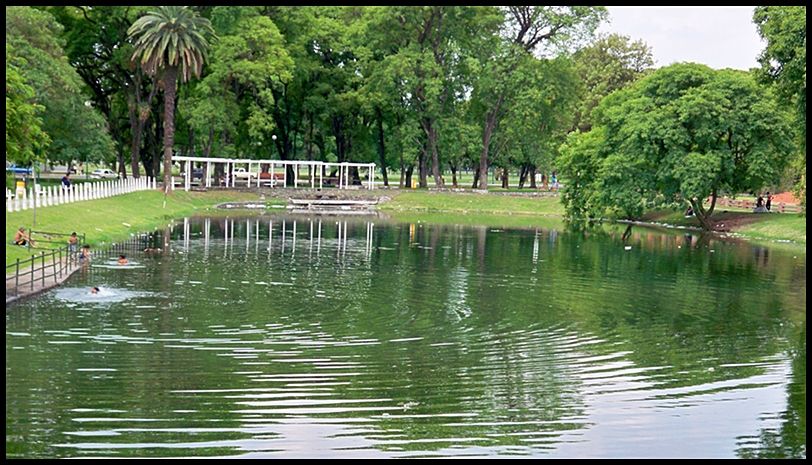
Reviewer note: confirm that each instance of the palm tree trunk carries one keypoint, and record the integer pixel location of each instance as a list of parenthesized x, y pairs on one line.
[(170, 88)]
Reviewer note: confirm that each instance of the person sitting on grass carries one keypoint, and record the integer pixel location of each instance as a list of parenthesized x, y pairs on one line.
[(21, 238), (122, 260)]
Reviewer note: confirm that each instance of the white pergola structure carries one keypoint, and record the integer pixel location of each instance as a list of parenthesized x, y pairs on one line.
[(248, 174)]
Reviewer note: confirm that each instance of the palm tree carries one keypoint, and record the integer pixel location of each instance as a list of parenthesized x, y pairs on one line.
[(171, 40)]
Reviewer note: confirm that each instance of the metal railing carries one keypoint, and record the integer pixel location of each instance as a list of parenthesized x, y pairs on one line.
[(45, 237), (52, 264)]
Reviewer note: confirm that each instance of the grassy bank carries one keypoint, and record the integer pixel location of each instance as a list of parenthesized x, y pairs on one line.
[(473, 204), (759, 227), (115, 218)]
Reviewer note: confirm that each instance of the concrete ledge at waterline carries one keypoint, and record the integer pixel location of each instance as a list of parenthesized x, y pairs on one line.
[(249, 205)]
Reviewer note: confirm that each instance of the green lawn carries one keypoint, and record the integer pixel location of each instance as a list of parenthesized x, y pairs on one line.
[(757, 226), (103, 221), (775, 226), (473, 203)]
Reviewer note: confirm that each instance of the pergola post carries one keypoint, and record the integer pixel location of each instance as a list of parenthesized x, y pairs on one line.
[(321, 176), (249, 174), (371, 175), (187, 181), (273, 182), (208, 174), (284, 174)]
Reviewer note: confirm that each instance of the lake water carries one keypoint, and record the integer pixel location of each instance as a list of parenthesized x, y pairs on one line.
[(263, 336)]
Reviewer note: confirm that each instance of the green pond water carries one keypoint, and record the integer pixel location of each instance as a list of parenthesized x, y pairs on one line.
[(269, 336)]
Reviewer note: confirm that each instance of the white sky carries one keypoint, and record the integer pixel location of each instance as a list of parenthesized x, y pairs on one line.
[(720, 37)]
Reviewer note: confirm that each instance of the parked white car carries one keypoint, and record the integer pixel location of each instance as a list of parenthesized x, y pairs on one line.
[(242, 173), (103, 174)]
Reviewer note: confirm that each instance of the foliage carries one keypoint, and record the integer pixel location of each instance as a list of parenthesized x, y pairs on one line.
[(610, 63), (76, 130), (25, 140), (783, 62), (170, 41), (682, 134)]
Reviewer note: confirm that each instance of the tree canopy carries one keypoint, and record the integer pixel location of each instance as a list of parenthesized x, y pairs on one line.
[(421, 90), (681, 135), (783, 62), (45, 95)]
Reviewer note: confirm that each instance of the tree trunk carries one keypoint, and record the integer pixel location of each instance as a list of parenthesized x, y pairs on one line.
[(505, 174), (422, 169), (409, 172), (135, 148), (381, 148), (402, 175), (704, 216), (476, 179), (453, 175), (122, 165), (170, 87), (487, 132), (532, 177), (522, 175), (431, 145)]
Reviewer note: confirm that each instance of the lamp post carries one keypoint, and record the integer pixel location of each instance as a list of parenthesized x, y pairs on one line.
[(273, 148)]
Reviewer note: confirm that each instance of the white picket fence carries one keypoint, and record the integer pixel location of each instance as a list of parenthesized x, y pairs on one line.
[(47, 196)]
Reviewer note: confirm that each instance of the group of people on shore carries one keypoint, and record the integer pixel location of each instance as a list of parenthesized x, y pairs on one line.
[(22, 238), (763, 203)]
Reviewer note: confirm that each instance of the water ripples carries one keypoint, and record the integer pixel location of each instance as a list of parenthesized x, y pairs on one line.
[(365, 358)]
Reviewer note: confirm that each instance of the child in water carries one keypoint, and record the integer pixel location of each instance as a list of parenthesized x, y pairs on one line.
[(122, 260), (94, 290)]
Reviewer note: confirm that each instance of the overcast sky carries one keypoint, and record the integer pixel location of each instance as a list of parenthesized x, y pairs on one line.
[(720, 37)]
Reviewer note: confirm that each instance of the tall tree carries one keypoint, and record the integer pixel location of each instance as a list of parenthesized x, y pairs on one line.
[(77, 131), (170, 41), (610, 63), (681, 135), (527, 30), (783, 62), (25, 139)]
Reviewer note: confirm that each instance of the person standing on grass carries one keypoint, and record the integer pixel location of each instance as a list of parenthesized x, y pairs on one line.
[(73, 242), (769, 201)]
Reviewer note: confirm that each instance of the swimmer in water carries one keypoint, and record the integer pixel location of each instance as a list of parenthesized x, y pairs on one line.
[(94, 290), (122, 260)]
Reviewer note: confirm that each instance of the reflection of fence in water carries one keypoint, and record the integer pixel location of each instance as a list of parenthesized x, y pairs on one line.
[(287, 232)]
